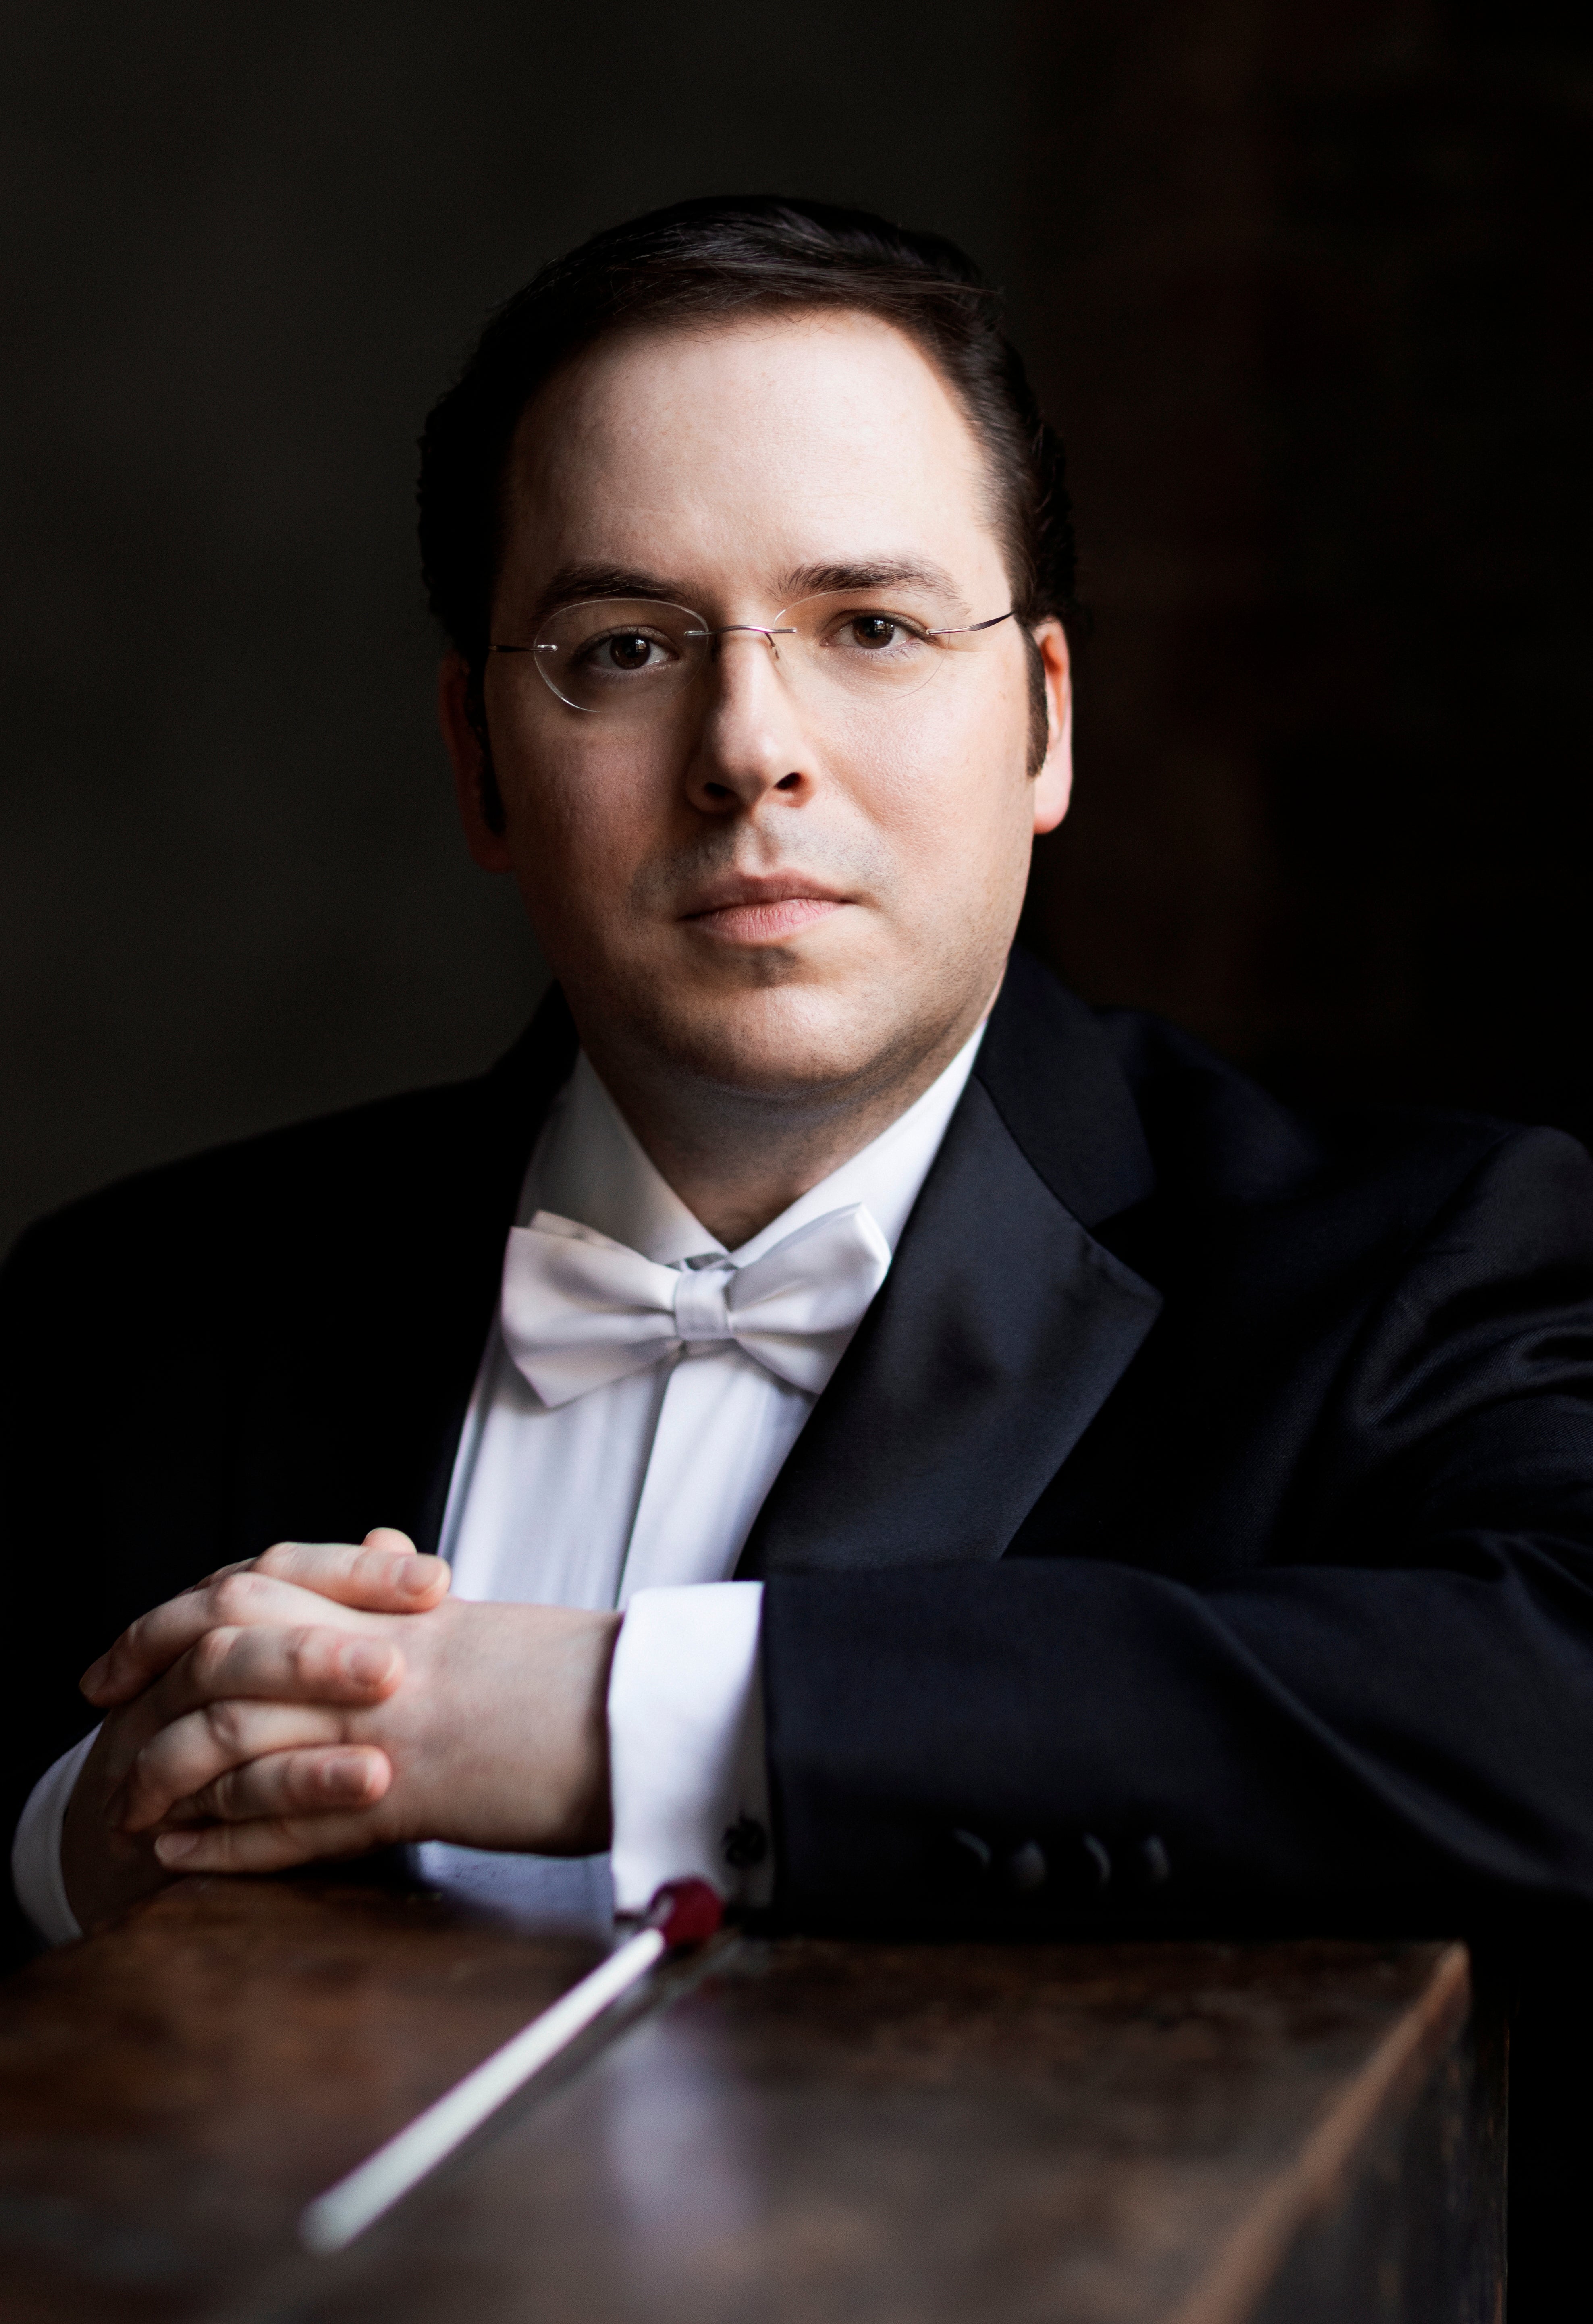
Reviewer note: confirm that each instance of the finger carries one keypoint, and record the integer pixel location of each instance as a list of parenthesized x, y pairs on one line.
[(270, 1844), (150, 1646), (242, 1597), (291, 1783), (238, 1566), (299, 1669), (386, 1538), (308, 1662), (385, 1574), (193, 1751)]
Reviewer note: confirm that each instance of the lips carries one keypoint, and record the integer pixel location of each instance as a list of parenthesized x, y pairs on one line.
[(762, 911)]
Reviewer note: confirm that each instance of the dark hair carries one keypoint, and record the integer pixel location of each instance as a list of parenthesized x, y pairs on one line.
[(704, 262)]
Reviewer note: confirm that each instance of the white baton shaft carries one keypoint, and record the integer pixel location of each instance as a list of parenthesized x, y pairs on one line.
[(683, 1914)]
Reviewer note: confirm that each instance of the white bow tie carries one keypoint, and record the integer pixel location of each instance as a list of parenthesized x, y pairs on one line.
[(578, 1310)]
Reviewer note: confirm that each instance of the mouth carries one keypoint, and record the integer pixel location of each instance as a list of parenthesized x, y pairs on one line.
[(763, 911)]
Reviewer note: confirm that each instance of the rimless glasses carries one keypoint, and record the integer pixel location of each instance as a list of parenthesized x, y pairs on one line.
[(634, 657)]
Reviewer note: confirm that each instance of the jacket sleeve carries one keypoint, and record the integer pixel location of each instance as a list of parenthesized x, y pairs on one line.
[(112, 1434), (40, 1510), (1389, 1725)]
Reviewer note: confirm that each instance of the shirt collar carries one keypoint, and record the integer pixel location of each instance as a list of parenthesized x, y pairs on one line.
[(589, 1165)]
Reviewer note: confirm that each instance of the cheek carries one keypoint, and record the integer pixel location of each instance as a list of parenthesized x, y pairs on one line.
[(578, 817), (946, 785)]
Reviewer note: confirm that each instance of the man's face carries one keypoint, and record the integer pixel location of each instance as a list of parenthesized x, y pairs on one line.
[(768, 887)]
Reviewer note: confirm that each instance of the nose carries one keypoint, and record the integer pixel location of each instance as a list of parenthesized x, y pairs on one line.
[(751, 742)]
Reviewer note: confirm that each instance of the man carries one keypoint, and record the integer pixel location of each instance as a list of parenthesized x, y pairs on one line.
[(903, 1443)]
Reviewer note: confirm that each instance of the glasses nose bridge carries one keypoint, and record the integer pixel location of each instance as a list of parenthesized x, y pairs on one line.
[(712, 638), (750, 718)]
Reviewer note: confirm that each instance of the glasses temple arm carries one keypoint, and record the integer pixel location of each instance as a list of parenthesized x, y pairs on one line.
[(971, 629)]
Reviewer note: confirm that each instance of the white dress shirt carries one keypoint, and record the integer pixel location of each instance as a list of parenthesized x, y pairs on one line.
[(639, 1495)]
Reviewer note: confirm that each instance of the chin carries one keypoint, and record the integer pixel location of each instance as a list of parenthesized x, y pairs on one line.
[(789, 1038)]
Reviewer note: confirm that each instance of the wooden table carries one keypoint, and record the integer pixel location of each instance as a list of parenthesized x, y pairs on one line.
[(839, 2134)]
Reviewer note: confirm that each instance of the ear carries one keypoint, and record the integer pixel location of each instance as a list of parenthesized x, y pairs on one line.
[(1054, 784), (468, 759)]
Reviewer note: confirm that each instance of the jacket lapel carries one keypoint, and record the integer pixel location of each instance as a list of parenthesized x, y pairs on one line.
[(1002, 1326)]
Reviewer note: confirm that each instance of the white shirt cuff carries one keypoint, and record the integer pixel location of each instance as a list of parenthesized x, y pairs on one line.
[(690, 1787), (35, 1853)]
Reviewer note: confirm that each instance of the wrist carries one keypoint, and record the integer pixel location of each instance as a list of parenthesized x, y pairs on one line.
[(505, 1729), (588, 1787)]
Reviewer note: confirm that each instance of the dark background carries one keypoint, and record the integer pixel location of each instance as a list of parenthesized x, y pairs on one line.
[(1298, 283)]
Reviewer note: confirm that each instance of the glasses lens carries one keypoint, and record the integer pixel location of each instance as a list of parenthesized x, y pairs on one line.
[(620, 655), (863, 647)]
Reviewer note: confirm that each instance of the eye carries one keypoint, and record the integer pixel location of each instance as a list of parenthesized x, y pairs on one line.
[(624, 653), (878, 637)]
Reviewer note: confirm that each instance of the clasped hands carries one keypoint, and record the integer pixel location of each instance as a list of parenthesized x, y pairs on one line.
[(325, 1698)]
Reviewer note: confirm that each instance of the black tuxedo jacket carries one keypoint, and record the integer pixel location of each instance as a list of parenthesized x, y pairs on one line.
[(1199, 1529)]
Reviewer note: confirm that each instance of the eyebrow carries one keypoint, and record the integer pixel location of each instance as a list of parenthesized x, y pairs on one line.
[(877, 573), (573, 583)]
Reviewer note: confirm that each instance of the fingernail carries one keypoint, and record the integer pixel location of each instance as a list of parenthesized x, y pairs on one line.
[(350, 1776), (172, 1846), (417, 1575), (95, 1675), (367, 1662)]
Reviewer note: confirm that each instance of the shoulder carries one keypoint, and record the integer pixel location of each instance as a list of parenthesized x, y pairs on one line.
[(280, 1197), (257, 1184), (1218, 1134), (1416, 1204), (1118, 1108), (1408, 1265)]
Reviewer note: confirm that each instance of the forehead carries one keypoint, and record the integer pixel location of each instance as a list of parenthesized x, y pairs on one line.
[(796, 440)]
